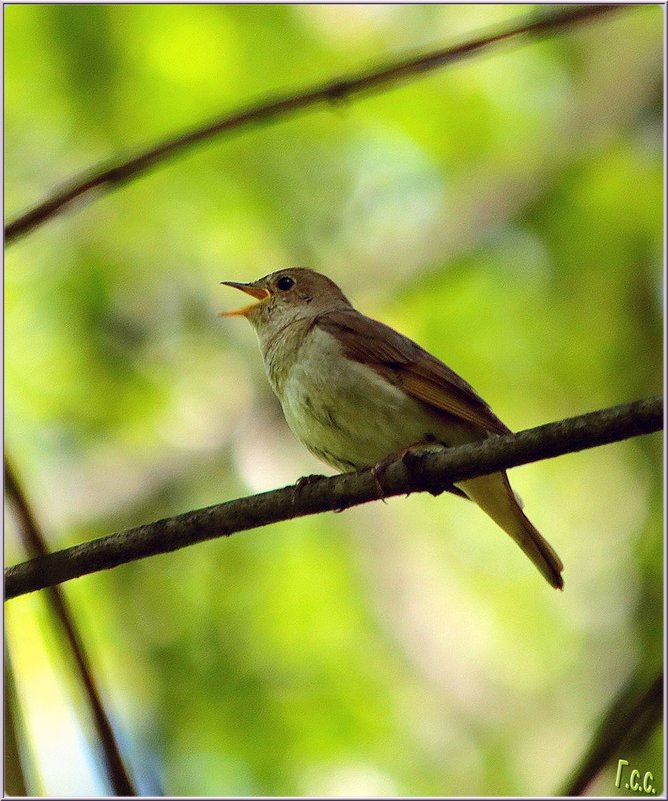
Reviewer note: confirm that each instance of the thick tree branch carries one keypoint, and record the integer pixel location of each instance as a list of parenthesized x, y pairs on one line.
[(117, 172), (35, 542), (432, 471)]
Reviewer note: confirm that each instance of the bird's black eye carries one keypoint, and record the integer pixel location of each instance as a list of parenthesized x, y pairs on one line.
[(285, 283)]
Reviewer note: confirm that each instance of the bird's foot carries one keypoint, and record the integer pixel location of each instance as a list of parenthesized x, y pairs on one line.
[(305, 481), (412, 459), (406, 455), (376, 470), (379, 468)]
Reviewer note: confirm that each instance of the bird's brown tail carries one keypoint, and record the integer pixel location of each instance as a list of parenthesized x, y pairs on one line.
[(495, 497)]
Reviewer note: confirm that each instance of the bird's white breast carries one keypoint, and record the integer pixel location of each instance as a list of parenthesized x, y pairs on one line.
[(343, 410)]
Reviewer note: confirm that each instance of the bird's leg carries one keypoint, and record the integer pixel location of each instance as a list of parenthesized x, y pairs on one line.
[(375, 470), (305, 481), (406, 455), (410, 456)]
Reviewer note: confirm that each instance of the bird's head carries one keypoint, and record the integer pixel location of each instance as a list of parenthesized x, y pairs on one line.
[(287, 295)]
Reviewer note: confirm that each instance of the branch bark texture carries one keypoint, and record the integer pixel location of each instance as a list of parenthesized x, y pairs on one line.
[(432, 471), (117, 172)]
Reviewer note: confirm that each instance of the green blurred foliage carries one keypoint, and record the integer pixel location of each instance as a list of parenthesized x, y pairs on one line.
[(507, 213)]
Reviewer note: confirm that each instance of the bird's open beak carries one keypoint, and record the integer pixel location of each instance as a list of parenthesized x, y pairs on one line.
[(258, 292)]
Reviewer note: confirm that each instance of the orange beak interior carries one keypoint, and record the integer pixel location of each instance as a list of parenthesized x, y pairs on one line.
[(250, 289)]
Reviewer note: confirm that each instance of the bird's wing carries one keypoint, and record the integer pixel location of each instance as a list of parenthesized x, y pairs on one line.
[(409, 366)]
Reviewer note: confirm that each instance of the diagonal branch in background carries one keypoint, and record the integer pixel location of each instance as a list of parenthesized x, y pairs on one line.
[(35, 543), (432, 471), (14, 762), (117, 172), (628, 722)]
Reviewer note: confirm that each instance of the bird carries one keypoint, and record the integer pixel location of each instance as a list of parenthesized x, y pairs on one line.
[(356, 392)]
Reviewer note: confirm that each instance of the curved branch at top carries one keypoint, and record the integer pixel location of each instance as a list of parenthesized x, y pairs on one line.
[(117, 172)]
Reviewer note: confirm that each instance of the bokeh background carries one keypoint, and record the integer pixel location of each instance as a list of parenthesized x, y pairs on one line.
[(505, 212)]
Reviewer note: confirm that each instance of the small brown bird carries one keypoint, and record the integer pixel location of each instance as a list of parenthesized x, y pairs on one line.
[(355, 392)]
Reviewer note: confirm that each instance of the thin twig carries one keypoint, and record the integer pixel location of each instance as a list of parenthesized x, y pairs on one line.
[(15, 770), (36, 544), (629, 720), (432, 471), (117, 172)]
